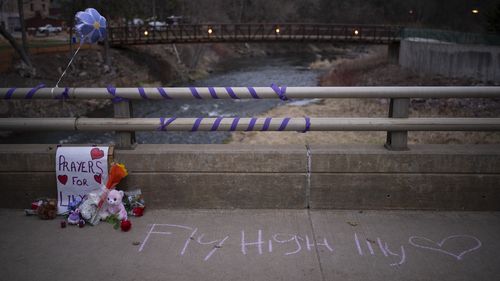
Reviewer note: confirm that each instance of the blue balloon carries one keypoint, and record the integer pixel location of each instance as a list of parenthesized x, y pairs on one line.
[(90, 26)]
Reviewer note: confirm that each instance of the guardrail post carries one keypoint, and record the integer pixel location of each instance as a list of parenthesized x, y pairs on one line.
[(398, 140), (124, 140)]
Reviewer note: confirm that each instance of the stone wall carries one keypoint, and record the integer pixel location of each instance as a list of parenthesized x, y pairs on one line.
[(452, 60)]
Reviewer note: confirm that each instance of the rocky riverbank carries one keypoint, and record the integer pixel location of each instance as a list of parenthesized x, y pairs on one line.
[(372, 69)]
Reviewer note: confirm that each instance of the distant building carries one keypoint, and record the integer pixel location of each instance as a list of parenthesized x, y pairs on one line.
[(36, 8), (38, 13), (9, 15)]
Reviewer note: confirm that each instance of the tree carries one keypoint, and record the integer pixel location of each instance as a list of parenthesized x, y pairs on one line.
[(20, 8), (21, 50)]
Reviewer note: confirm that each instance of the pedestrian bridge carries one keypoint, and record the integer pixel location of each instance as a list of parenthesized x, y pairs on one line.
[(268, 32)]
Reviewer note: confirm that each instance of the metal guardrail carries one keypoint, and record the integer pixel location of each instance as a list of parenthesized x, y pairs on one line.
[(397, 125), (252, 32), (250, 124), (273, 92)]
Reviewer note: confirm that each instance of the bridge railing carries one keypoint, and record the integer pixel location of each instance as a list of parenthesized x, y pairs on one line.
[(397, 124), (190, 33)]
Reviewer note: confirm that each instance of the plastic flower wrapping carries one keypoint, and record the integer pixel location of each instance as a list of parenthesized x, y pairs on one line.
[(116, 174), (90, 26)]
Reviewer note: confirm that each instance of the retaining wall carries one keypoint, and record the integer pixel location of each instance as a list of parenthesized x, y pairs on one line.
[(444, 177), (452, 60)]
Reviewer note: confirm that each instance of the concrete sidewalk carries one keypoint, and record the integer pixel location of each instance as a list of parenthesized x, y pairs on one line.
[(256, 245)]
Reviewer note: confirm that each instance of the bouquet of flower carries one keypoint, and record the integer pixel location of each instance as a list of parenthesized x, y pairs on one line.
[(116, 174)]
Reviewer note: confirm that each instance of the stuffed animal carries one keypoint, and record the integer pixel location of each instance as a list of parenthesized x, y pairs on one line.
[(88, 208), (114, 206), (47, 210), (74, 217)]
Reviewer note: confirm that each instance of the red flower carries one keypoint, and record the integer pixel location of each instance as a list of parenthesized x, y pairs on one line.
[(125, 225), (138, 211)]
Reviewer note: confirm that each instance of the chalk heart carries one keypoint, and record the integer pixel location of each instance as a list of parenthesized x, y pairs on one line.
[(98, 178), (96, 153), (426, 243), (62, 179)]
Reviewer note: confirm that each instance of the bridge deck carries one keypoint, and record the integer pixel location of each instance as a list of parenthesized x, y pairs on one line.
[(257, 245), (211, 33)]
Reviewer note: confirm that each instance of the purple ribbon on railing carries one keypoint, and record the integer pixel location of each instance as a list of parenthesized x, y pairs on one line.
[(163, 93), (252, 92), (32, 92), (196, 124), (284, 123), (142, 93), (195, 93), (212, 92), (281, 92), (216, 124), (115, 99), (267, 122), (9, 93), (231, 93), (251, 124), (234, 124), (308, 124), (163, 124), (64, 95)]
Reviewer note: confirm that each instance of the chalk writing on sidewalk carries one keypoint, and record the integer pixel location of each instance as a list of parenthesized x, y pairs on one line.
[(289, 244)]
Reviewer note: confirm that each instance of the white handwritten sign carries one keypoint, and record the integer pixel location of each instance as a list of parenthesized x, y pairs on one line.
[(79, 170)]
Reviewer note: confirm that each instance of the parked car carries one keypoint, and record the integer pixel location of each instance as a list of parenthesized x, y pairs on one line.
[(158, 25), (49, 28), (136, 22)]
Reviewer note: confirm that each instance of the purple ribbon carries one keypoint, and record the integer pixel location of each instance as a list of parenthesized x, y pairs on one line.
[(284, 123), (163, 93), (251, 124), (281, 92), (231, 93), (253, 93), (64, 95), (216, 124), (32, 92), (212, 92), (163, 124), (194, 92), (112, 92), (142, 93), (196, 124), (267, 122), (308, 124), (9, 93), (234, 124)]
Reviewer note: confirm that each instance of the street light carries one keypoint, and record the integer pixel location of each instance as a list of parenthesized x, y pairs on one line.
[(356, 32), (475, 11), (210, 30), (277, 30), (146, 33)]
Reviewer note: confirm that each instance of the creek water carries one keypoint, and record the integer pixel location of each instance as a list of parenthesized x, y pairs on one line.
[(257, 72)]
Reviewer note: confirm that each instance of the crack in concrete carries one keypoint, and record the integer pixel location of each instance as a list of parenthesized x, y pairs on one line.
[(320, 264), (308, 176)]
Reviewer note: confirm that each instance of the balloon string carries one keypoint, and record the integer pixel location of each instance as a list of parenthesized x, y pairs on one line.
[(65, 70)]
